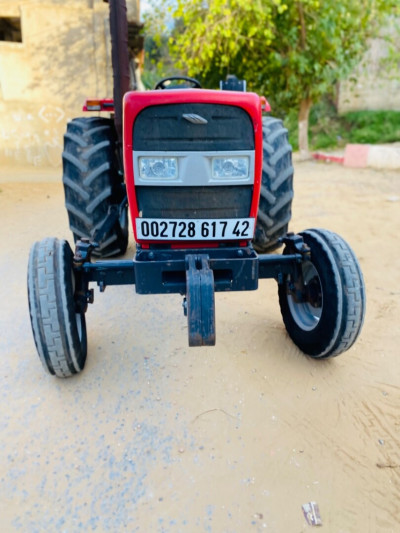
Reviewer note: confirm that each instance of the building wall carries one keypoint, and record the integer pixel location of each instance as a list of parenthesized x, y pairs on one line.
[(374, 86), (64, 58)]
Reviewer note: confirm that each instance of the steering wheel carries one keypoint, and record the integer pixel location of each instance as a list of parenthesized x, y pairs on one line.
[(165, 83)]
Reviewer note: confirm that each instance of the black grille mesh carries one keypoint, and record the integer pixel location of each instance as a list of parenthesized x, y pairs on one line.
[(164, 128)]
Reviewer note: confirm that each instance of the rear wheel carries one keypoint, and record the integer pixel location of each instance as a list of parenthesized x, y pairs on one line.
[(58, 329), (324, 311), (276, 195), (94, 191)]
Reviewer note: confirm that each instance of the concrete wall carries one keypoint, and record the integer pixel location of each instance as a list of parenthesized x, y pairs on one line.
[(64, 58), (376, 87)]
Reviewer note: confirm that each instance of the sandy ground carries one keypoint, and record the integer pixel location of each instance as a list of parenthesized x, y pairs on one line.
[(156, 437)]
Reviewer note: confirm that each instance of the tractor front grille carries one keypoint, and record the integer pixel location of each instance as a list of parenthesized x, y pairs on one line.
[(165, 128)]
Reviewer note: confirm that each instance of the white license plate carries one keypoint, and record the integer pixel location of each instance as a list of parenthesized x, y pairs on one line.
[(155, 229)]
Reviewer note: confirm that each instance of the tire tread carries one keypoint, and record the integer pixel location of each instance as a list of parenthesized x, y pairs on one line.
[(343, 297), (92, 183), (274, 212), (53, 330), (353, 287)]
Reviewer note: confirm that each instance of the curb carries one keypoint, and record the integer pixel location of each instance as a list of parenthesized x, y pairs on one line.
[(365, 155), (328, 158)]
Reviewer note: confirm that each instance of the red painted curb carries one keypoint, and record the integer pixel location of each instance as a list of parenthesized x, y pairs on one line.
[(328, 158)]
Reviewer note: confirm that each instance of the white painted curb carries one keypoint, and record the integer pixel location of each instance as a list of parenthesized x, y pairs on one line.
[(384, 157)]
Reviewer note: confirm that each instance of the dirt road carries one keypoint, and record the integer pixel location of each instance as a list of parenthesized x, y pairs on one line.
[(156, 437)]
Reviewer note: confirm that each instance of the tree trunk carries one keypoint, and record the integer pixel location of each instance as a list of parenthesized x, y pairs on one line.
[(305, 106)]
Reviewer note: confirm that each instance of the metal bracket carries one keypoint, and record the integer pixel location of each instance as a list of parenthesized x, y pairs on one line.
[(294, 244), (83, 252), (82, 295), (200, 302), (295, 286)]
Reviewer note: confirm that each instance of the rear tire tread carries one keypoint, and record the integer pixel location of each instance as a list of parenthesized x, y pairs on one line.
[(276, 193), (92, 183)]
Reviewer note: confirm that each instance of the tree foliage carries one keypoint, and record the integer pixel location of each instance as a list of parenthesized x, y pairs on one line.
[(292, 51), (158, 61)]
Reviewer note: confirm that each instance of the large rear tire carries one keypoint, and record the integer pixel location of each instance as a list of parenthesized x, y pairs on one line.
[(93, 184), (327, 319), (275, 208), (58, 330)]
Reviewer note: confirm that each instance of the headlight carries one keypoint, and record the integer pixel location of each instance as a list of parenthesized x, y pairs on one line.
[(158, 167), (230, 167)]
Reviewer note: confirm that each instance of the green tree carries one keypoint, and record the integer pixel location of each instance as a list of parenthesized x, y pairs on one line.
[(159, 27), (292, 51)]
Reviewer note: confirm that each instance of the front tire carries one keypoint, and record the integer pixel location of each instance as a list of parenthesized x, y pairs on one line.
[(328, 318), (58, 330)]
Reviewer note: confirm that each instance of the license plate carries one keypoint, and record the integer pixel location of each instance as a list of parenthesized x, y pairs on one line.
[(194, 229)]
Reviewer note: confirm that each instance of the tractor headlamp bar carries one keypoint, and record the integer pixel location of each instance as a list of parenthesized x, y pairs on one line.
[(194, 168), (158, 167)]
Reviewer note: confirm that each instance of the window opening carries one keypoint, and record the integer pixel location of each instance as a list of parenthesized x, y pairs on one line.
[(10, 29)]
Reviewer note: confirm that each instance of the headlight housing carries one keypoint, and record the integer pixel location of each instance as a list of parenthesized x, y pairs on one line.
[(158, 167), (230, 167)]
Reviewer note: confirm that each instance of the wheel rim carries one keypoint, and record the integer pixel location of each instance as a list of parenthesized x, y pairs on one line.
[(306, 315)]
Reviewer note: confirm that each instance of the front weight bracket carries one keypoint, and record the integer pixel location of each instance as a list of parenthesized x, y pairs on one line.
[(200, 301)]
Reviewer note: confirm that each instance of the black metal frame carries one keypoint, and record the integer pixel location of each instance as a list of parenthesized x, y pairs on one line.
[(195, 274)]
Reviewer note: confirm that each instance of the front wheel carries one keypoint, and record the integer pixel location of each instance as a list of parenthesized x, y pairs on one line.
[(323, 311), (59, 330)]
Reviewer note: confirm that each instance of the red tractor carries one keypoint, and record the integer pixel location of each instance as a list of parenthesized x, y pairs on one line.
[(208, 182)]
